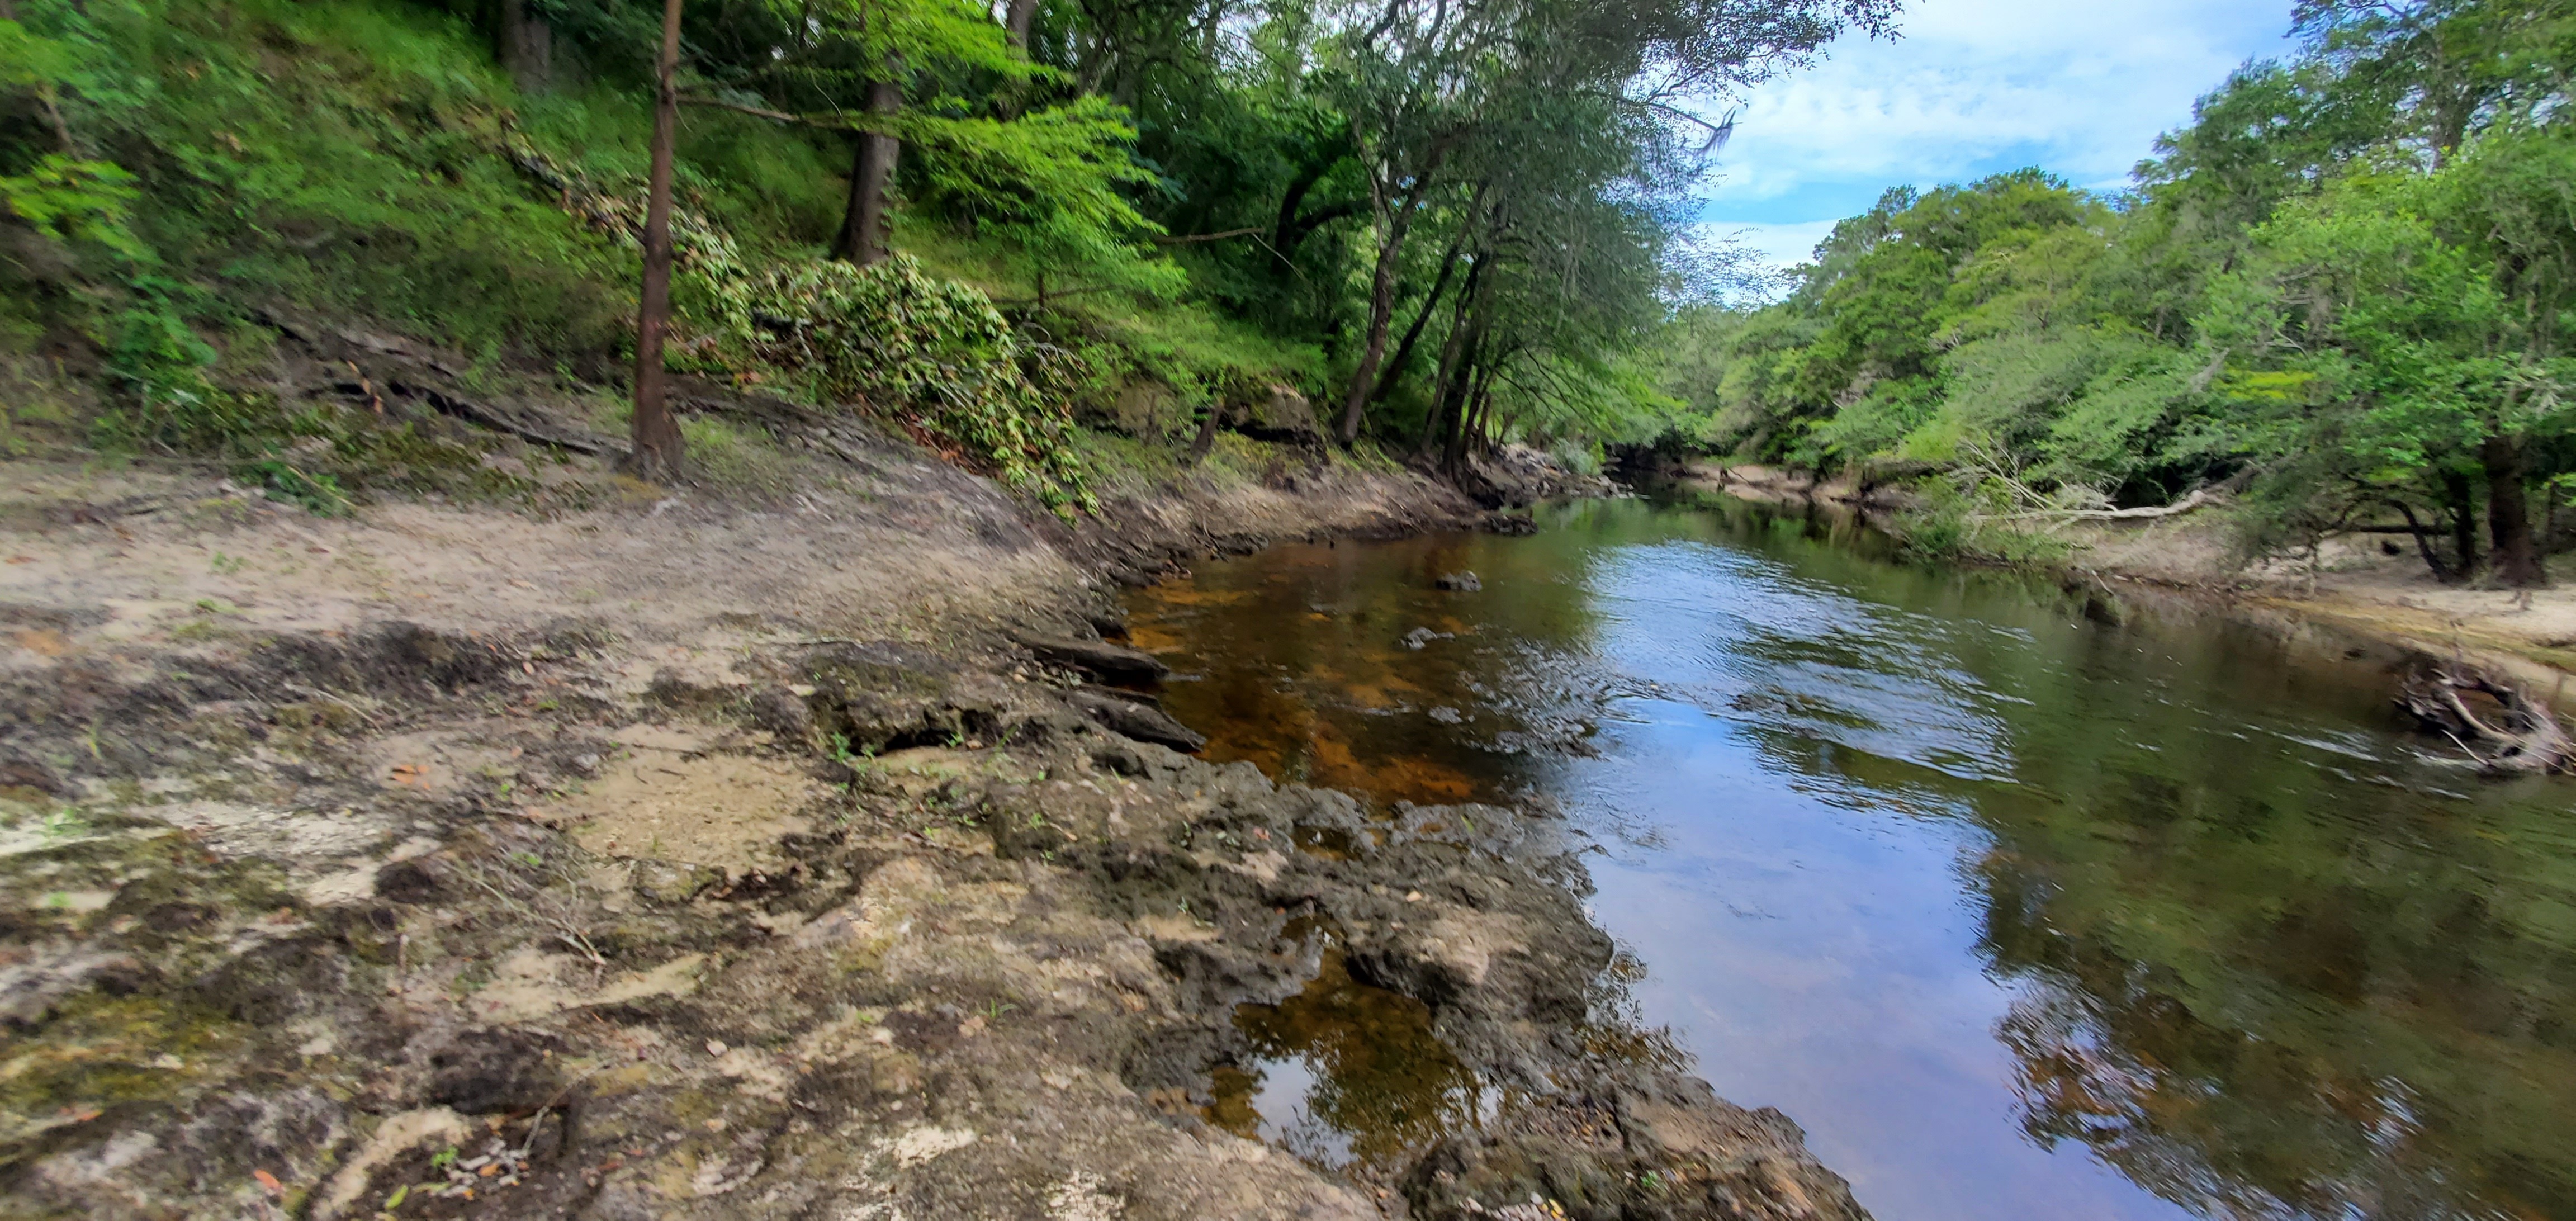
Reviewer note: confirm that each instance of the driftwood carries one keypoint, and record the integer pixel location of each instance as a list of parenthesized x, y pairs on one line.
[(2497, 724), (2176, 509)]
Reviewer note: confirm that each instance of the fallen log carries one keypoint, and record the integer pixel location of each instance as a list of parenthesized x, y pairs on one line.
[(2495, 723), (1106, 662), (1135, 716), (2148, 513)]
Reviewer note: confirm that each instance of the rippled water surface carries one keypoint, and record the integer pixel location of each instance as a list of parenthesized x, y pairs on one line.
[(2022, 907)]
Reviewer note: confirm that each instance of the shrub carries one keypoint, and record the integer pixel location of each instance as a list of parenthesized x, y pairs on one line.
[(933, 352)]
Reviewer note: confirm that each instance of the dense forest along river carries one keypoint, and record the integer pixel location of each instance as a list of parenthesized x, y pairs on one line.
[(2021, 908)]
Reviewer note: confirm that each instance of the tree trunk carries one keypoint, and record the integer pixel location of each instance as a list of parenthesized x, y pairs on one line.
[(1281, 251), (1444, 384), (864, 226), (658, 447), (527, 47), (1474, 385), (1478, 416), (2464, 523), (1017, 20), (1206, 439), (1457, 398), (1413, 334), (2517, 553), (1381, 316), (2424, 543), (1459, 363), (845, 244)]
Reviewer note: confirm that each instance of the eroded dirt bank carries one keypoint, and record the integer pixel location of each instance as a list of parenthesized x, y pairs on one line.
[(706, 856)]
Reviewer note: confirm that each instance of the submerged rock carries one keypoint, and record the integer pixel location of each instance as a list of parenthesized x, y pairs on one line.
[(1460, 582)]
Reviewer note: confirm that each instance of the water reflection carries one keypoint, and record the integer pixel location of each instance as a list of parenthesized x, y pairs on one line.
[(2024, 904), (1344, 1073)]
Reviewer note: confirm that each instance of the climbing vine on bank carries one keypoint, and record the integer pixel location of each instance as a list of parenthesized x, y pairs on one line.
[(934, 352)]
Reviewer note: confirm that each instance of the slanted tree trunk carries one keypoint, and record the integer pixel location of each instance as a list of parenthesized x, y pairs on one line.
[(2516, 551), (864, 226), (1290, 230), (1475, 389), (1444, 383), (1293, 198), (1463, 365), (2423, 542), (1206, 438), (1480, 435), (1381, 317), (1413, 334), (658, 447), (2464, 523)]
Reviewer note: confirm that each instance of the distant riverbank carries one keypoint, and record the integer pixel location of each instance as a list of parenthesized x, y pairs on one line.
[(2355, 584)]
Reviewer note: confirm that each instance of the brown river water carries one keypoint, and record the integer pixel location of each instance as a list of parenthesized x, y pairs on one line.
[(2022, 907)]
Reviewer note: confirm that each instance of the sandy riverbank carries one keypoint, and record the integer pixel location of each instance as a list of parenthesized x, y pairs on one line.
[(731, 853)]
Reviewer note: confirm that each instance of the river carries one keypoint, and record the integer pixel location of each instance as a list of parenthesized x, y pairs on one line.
[(2022, 903)]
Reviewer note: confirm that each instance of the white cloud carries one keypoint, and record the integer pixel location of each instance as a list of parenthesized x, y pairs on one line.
[(1777, 244), (1976, 86)]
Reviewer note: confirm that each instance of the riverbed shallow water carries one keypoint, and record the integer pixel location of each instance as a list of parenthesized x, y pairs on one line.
[(2023, 902)]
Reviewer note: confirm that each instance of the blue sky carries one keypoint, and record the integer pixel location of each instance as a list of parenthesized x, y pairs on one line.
[(1970, 87)]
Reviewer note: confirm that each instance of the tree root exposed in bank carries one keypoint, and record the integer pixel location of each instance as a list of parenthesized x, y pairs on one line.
[(2498, 725)]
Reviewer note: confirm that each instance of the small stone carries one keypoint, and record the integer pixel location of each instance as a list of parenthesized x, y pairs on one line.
[(1460, 582), (1421, 636), (1413, 896), (715, 1047)]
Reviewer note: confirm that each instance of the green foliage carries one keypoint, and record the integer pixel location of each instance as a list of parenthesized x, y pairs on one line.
[(2344, 288), (932, 350), (319, 457), (1162, 200), (1049, 183), (320, 495), (1971, 523), (335, 154), (76, 200)]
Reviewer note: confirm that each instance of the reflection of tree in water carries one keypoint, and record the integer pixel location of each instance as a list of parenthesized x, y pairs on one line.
[(1298, 660), (2263, 967), (2315, 1052), (1381, 1082)]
